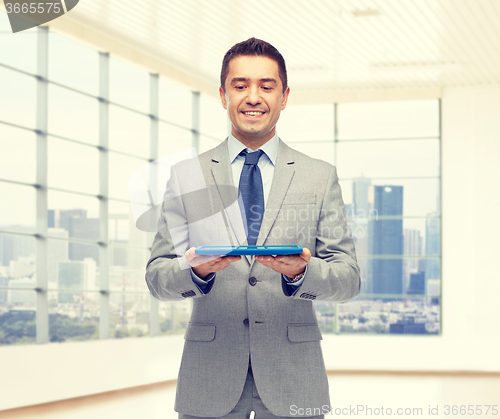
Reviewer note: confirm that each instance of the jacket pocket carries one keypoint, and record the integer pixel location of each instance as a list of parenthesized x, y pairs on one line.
[(304, 333), (200, 332)]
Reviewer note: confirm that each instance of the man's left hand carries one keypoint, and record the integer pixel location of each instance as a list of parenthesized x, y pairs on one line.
[(289, 265)]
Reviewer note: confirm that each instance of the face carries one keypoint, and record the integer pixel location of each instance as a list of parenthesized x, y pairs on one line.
[(254, 98)]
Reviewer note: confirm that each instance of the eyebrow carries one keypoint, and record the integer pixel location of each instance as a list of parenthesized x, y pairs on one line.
[(263, 80)]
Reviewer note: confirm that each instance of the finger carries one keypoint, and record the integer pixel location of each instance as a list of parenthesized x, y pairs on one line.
[(204, 260), (191, 255), (306, 254)]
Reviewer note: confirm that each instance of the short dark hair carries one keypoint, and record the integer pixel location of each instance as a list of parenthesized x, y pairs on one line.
[(253, 46)]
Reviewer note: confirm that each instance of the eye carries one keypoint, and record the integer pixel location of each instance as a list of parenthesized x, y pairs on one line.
[(267, 88), (239, 87)]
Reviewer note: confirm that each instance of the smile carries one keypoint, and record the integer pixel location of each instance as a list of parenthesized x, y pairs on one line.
[(253, 113)]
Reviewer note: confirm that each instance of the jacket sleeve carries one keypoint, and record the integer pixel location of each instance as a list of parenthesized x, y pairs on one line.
[(168, 274), (333, 271)]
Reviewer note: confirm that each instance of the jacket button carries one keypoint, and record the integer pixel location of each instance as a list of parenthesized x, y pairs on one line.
[(252, 281), (245, 322)]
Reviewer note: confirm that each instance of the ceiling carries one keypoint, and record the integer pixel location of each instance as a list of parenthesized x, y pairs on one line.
[(338, 50)]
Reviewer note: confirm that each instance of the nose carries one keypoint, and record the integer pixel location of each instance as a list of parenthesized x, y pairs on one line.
[(253, 97)]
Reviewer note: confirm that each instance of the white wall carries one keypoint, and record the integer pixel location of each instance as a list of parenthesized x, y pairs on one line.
[(35, 374), (470, 337)]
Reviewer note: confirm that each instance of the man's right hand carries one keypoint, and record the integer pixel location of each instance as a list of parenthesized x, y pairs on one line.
[(205, 265)]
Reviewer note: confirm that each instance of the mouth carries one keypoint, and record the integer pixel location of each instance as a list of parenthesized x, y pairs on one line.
[(253, 113)]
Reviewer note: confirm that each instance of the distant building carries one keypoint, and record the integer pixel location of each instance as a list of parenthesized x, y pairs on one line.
[(17, 296), (4, 283), (78, 226), (12, 247), (386, 239), (434, 287), (412, 249), (24, 266), (432, 247), (361, 212), (58, 251), (76, 277), (360, 195), (417, 283), (407, 327), (84, 228)]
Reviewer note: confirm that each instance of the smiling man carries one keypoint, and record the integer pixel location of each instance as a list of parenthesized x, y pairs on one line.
[(253, 342)]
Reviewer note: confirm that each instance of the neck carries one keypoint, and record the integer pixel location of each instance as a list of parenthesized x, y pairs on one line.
[(250, 142)]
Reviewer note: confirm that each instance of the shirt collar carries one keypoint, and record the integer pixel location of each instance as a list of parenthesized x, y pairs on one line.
[(270, 148)]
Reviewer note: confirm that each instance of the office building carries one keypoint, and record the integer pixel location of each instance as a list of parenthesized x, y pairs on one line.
[(386, 241), (432, 247)]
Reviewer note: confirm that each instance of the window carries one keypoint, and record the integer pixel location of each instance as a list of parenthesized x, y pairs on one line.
[(95, 255), (388, 161), (80, 223)]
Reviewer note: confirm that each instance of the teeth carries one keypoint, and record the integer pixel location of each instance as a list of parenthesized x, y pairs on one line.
[(253, 113)]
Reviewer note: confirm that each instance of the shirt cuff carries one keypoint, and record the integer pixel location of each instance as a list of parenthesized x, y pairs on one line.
[(291, 287), (204, 284)]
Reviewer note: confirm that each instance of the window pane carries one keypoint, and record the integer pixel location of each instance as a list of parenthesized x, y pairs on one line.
[(173, 139), (73, 166), (393, 276), (208, 143), (306, 123), (73, 316), (388, 158), (322, 151), (120, 169), (73, 64), (213, 117), (18, 50), (18, 155), (17, 212), (65, 257), (73, 115), (407, 236), (57, 251), (17, 261), (174, 316), (420, 196), (396, 316), (18, 97), (176, 103), (325, 313), (128, 85), (128, 315), (388, 120), (129, 132), (77, 214), (18, 315), (128, 267), (122, 228)]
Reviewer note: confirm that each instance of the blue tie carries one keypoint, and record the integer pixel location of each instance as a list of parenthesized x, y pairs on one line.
[(252, 192)]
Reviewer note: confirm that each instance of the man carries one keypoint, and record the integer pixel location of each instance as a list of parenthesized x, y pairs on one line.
[(253, 342)]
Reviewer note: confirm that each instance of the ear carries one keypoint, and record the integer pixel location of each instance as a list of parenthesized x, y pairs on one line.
[(222, 98), (285, 98)]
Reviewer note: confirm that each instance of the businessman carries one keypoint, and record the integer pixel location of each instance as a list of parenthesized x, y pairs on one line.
[(253, 342)]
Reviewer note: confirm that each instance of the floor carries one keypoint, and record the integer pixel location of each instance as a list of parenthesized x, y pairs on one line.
[(352, 394)]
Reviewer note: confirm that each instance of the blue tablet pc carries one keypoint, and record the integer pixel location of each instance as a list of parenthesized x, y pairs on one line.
[(248, 250)]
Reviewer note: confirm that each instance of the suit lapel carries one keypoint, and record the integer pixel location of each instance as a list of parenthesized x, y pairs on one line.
[(228, 193), (283, 174), (223, 177)]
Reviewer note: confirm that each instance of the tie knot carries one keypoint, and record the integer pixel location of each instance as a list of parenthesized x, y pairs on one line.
[(252, 158)]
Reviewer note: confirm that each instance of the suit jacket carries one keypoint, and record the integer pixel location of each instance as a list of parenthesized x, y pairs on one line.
[(247, 314)]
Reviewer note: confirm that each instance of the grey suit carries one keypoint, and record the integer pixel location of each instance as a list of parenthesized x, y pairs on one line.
[(247, 313)]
